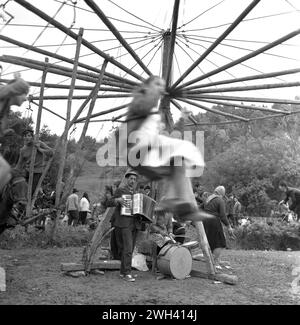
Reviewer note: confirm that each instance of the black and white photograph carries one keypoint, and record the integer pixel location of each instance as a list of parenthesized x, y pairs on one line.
[(149, 155)]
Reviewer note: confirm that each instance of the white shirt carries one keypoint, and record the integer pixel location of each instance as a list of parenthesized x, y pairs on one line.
[(84, 205)]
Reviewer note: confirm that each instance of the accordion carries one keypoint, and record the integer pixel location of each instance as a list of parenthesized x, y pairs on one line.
[(139, 205)]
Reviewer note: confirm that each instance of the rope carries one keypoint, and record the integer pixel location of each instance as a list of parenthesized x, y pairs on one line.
[(250, 50), (243, 64), (202, 13), (157, 28), (249, 19)]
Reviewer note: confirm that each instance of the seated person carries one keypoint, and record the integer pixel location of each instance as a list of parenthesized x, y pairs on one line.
[(161, 229)]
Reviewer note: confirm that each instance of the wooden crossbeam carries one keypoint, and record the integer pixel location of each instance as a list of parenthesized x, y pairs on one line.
[(119, 37), (217, 42), (65, 59), (73, 35)]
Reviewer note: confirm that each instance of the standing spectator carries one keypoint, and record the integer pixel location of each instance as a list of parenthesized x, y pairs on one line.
[(84, 208), (23, 163), (126, 227), (236, 211), (147, 190), (215, 205), (72, 207), (293, 194)]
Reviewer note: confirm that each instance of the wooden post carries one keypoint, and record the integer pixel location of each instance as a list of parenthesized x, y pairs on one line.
[(59, 141), (71, 179), (36, 139), (65, 138)]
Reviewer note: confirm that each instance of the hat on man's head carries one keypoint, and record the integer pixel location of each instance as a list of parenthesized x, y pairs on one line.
[(75, 190), (28, 130), (129, 172)]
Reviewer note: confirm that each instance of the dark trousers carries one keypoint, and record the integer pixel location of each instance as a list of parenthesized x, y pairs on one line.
[(115, 251), (35, 180), (126, 238), (73, 217), (82, 217)]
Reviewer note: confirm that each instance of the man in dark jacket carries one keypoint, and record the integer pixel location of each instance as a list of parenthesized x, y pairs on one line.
[(294, 195), (126, 226)]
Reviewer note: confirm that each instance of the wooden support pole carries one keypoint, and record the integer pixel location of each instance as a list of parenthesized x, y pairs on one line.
[(111, 110), (247, 78), (36, 139), (257, 108), (242, 88), (59, 141), (49, 110), (63, 151), (73, 35), (214, 110), (65, 59), (246, 99), (71, 179), (56, 86), (172, 42), (59, 70), (231, 27), (242, 59), (118, 36), (82, 97)]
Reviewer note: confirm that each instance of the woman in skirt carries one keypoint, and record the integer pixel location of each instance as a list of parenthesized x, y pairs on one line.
[(215, 205)]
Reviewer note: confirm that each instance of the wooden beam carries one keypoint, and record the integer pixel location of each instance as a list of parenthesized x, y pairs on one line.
[(70, 180), (172, 41), (246, 99), (217, 42), (59, 141), (48, 110), (63, 151), (255, 108), (36, 139), (119, 37), (103, 265), (82, 97), (55, 68), (214, 110), (242, 59), (79, 120), (247, 78), (242, 88), (73, 35), (65, 59)]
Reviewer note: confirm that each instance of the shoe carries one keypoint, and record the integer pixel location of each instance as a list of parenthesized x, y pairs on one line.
[(128, 278), (122, 275)]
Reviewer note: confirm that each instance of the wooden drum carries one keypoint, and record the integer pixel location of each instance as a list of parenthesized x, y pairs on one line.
[(175, 260)]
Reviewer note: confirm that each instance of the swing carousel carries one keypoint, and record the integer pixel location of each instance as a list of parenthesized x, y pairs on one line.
[(83, 59)]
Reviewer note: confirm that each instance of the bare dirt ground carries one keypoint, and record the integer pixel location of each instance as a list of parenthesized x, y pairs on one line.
[(34, 277)]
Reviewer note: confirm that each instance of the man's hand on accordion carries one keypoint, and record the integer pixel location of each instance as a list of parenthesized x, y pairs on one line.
[(122, 202)]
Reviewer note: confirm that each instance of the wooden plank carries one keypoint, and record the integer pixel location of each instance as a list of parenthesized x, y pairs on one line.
[(198, 270), (99, 234), (104, 265)]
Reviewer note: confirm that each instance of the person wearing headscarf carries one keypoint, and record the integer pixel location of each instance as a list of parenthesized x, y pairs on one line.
[(215, 205), (161, 157)]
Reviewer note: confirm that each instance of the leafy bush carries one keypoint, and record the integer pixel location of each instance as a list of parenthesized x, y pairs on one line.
[(65, 236), (274, 235)]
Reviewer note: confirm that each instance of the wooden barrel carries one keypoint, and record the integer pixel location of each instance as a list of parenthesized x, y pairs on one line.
[(175, 260)]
